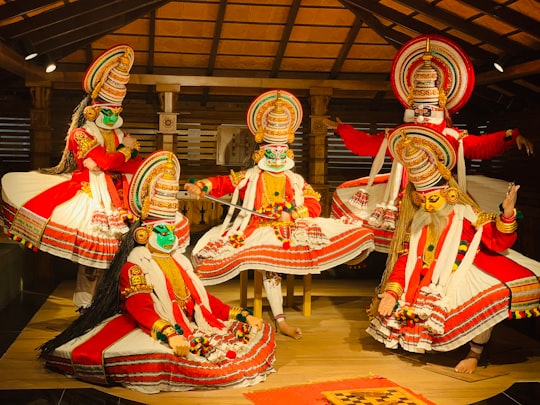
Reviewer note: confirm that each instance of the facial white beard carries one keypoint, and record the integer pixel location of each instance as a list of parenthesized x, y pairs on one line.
[(436, 220)]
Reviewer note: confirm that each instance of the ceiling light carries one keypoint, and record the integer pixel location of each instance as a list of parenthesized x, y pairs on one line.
[(50, 66), (500, 63), (29, 50)]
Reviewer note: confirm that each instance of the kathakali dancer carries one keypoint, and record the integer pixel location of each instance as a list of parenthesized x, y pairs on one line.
[(451, 275), (279, 229), (432, 78), (77, 210), (152, 325)]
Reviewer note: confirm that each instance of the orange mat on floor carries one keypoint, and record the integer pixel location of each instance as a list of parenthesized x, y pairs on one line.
[(367, 390)]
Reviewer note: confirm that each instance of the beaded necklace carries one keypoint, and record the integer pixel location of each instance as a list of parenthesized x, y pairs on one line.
[(109, 140), (274, 199), (169, 269), (273, 188)]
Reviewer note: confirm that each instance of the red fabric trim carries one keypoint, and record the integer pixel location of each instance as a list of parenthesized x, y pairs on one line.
[(44, 203), (90, 352), (415, 284)]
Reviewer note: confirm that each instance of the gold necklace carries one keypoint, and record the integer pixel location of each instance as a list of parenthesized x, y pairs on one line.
[(273, 188), (171, 272), (431, 243), (109, 140)]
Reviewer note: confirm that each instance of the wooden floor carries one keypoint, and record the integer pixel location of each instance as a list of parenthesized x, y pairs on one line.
[(335, 346)]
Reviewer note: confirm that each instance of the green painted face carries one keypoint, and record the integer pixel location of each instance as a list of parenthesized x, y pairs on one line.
[(165, 237), (109, 116), (276, 155)]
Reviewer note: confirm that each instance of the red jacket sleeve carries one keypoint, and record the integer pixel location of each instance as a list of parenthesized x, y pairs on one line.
[(496, 240), (84, 145), (113, 161), (489, 145), (360, 143), (398, 272), (218, 308), (221, 185), (136, 296)]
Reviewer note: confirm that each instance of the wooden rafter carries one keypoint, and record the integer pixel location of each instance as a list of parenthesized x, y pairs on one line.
[(345, 48), (18, 9), (506, 14), (218, 28), (394, 37), (417, 26), (79, 37), (40, 25), (285, 37), (474, 30)]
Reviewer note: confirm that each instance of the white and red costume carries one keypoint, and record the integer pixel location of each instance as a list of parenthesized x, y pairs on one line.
[(121, 350), (475, 283), (150, 300), (309, 245), (361, 143), (79, 216)]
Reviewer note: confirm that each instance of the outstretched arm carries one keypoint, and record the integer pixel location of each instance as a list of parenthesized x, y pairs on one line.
[(494, 144), (358, 142)]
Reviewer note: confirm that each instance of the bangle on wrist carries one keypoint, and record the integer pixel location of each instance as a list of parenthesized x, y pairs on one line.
[(158, 327), (505, 227), (392, 293), (394, 287), (509, 219)]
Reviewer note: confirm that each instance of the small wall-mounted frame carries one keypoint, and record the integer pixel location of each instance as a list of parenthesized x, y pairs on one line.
[(167, 122), (235, 144)]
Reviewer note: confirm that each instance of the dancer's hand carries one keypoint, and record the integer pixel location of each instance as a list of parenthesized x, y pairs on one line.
[(254, 322), (387, 304), (130, 142), (509, 202), (90, 164), (522, 142), (285, 217), (179, 345), (194, 189), (332, 124)]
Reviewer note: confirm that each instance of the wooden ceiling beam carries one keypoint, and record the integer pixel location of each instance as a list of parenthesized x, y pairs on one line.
[(151, 42), (395, 38), (285, 36), (506, 14), (510, 73), (15, 64), (419, 27), (42, 23), (14, 9), (218, 28), (79, 37), (346, 48), (65, 79), (456, 22)]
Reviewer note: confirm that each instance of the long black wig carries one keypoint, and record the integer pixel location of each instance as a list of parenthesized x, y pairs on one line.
[(106, 300)]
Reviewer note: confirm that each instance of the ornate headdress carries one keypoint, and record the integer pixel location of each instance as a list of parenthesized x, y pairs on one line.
[(430, 73), (273, 117), (426, 154), (106, 78), (154, 187)]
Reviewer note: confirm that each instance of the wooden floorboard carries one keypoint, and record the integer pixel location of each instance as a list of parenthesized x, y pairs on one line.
[(335, 346)]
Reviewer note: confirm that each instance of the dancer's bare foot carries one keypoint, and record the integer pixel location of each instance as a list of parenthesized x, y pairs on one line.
[(288, 330), (468, 364)]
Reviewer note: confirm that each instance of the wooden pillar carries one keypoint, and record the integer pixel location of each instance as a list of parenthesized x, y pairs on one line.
[(40, 119), (319, 98), (168, 95), (40, 157)]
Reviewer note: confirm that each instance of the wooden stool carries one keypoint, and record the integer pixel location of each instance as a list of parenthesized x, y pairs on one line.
[(258, 287)]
